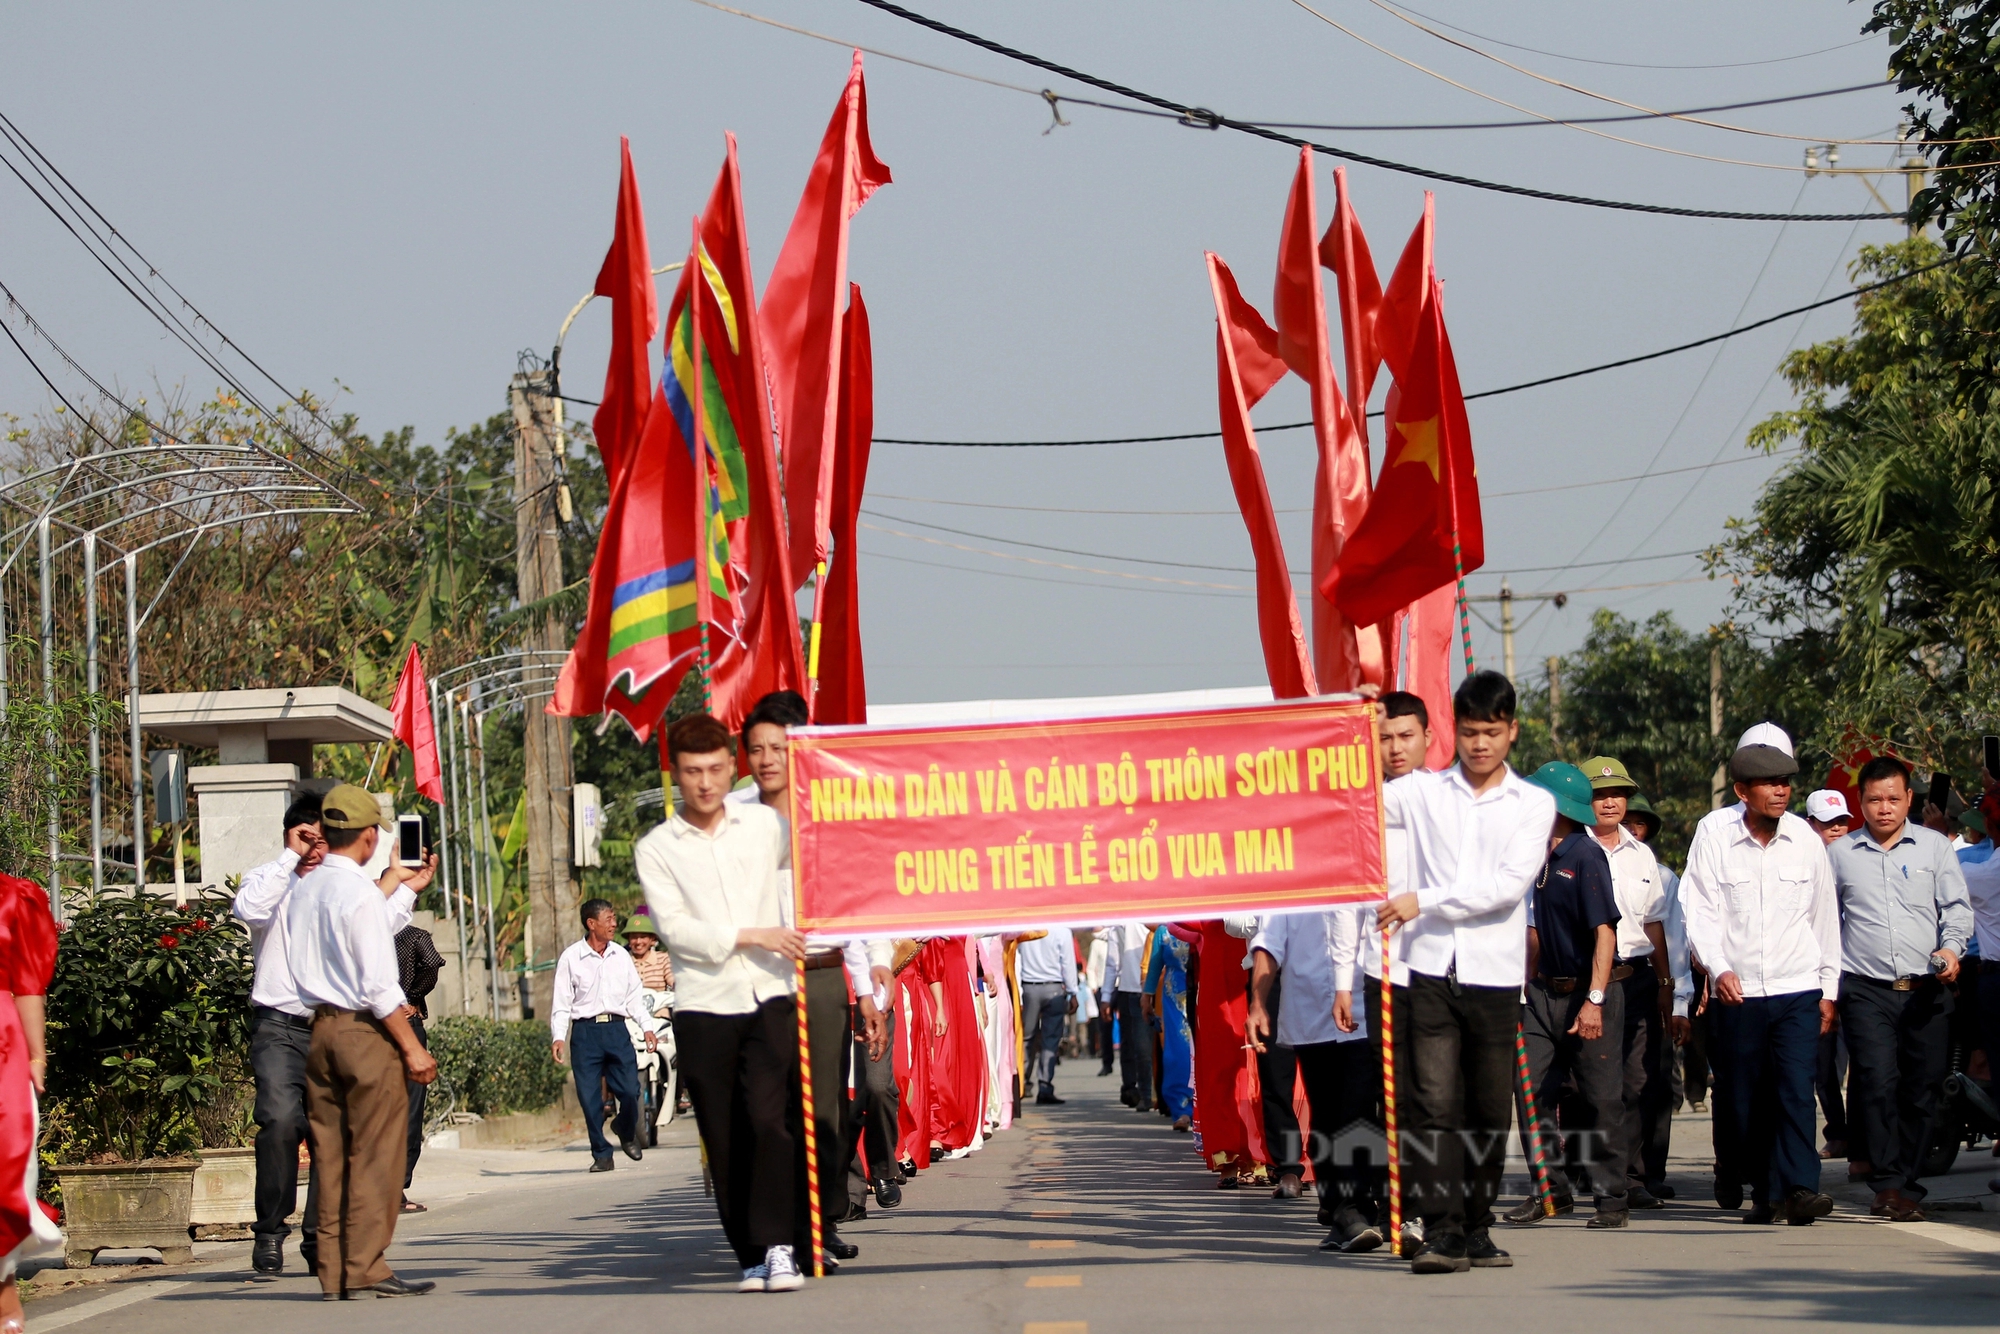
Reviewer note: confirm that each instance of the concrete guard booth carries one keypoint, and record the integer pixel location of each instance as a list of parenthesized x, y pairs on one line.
[(264, 743)]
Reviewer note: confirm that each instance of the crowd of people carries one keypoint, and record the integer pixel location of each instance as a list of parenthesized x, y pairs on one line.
[(1550, 980)]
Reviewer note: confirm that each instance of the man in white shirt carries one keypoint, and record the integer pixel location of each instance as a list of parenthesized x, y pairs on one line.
[(837, 1035), (281, 1031), (596, 990), (1478, 834), (1100, 1017), (711, 877), (1763, 918), (1332, 1058), (1046, 967), (1125, 979), (343, 959), (1640, 893)]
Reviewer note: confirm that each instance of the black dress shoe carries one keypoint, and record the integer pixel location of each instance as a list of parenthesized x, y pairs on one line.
[(1638, 1197), (392, 1286), (1761, 1213), (1803, 1205), (1662, 1191), (1530, 1211), (856, 1213), (1609, 1218), (604, 1164), (309, 1257), (1729, 1194), (841, 1250), (888, 1194), (632, 1150), (1481, 1253), (267, 1255), (1048, 1098), (1441, 1255)]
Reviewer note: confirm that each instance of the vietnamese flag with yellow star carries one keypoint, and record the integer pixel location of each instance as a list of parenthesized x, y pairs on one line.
[(1422, 529)]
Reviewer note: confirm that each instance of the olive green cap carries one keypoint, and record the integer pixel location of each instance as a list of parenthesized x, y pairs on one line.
[(1606, 773), (352, 807), (1642, 808)]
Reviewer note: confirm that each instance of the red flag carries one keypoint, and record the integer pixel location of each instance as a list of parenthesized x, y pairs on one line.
[(768, 655), (410, 723), (1374, 326), (1420, 662), (1427, 502), (802, 318), (627, 279), (1340, 483), (842, 695), (1247, 364)]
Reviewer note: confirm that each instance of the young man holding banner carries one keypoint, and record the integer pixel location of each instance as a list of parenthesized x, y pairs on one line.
[(1477, 835), (711, 878)]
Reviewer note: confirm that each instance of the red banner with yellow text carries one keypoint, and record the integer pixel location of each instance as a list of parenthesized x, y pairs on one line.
[(1181, 816)]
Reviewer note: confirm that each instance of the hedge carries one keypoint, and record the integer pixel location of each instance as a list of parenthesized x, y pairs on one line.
[(494, 1066)]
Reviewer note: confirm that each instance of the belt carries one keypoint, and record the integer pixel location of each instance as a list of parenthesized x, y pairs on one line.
[(827, 959), (597, 1019), (1563, 986), (269, 1015), (1907, 982)]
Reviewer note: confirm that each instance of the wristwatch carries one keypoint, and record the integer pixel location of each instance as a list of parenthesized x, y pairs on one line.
[(1596, 997)]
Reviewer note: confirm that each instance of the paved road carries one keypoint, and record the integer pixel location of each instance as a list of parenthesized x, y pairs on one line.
[(1086, 1219)]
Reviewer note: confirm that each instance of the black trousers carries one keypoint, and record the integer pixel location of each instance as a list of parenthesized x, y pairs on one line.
[(830, 1036), (278, 1046), (1100, 1040), (1764, 1056), (1988, 990), (872, 1126), (1277, 1076), (1135, 1049), (1349, 1167), (1594, 1151), (1044, 1014), (1898, 1045), (1827, 1077), (1462, 1090), (1400, 998), (1649, 1084), (741, 1072), (419, 1095), (601, 1056)]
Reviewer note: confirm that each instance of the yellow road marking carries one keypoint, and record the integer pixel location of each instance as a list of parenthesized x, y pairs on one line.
[(1056, 1281), (1050, 1245), (1050, 1213), (1056, 1327)]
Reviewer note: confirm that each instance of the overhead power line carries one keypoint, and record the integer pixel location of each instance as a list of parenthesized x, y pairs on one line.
[(1484, 393), (1204, 118), (1633, 64)]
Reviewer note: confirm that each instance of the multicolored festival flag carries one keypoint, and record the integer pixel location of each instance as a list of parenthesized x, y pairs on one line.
[(768, 654), (662, 569)]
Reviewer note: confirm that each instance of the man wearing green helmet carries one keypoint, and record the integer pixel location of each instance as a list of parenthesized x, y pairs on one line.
[(1573, 1018)]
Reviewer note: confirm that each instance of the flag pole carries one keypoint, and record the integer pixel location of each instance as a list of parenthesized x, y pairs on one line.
[(1393, 1142)]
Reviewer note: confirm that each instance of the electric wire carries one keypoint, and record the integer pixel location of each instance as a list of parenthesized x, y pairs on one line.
[(1630, 64), (1606, 97), (1204, 118)]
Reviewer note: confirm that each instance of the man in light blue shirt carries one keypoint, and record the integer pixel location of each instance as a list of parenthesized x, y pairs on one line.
[(1904, 921)]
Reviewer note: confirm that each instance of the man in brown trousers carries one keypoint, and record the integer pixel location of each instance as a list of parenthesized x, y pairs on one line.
[(363, 1049)]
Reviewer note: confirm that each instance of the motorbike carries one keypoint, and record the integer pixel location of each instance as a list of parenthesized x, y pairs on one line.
[(659, 1069)]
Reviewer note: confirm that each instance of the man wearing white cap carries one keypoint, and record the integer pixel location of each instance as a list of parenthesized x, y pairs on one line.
[(1827, 813), (1763, 916)]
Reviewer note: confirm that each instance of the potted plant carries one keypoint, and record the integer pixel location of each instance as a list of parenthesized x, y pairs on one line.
[(148, 1023)]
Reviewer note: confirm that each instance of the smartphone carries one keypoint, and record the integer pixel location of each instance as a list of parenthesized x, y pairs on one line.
[(1940, 793), (409, 840), (1993, 758)]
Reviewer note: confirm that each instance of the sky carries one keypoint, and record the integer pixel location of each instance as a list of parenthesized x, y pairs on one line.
[(391, 202)]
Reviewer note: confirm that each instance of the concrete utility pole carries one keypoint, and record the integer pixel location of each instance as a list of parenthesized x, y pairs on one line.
[(1507, 627), (1720, 783), (1555, 705), (539, 500)]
